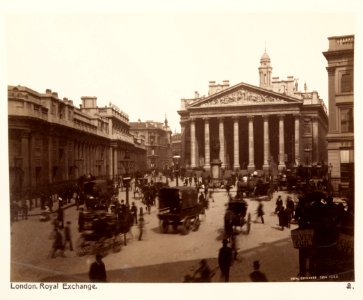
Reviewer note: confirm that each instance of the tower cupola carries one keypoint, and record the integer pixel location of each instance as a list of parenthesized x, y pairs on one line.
[(265, 71)]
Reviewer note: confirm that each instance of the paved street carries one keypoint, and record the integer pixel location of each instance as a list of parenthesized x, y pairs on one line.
[(158, 257)]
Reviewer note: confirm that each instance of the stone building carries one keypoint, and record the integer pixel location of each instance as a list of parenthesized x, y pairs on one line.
[(340, 58), (51, 142), (254, 127), (176, 140), (157, 137)]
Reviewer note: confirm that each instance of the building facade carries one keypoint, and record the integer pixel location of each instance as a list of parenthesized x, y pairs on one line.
[(157, 137), (176, 144), (340, 58), (254, 127), (51, 142)]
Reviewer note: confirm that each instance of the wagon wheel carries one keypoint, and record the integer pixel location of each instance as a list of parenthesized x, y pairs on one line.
[(83, 247), (117, 242), (101, 246), (164, 226), (186, 226), (196, 223), (248, 229)]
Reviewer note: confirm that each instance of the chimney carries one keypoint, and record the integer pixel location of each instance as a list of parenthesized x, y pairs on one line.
[(89, 102), (226, 83), (212, 87)]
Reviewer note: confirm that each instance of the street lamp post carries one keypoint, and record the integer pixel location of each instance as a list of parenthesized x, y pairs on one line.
[(176, 168)]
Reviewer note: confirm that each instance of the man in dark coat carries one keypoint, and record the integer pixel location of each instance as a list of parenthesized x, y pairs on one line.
[(81, 220), (57, 243), (260, 212), (225, 260), (97, 271), (133, 211), (257, 275), (68, 235), (60, 214)]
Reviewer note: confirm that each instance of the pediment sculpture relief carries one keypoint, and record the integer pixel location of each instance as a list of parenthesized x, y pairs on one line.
[(241, 97)]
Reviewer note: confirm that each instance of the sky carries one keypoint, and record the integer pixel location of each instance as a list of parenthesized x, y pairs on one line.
[(144, 63)]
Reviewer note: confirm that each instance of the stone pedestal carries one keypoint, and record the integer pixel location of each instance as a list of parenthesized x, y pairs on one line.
[(216, 172)]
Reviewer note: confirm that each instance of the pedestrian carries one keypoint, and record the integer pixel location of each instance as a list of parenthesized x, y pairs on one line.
[(55, 222), (60, 201), (50, 203), (225, 260), (278, 204), (60, 215), (203, 273), (234, 246), (16, 208), (97, 271), (201, 199), (57, 243), (13, 212), (68, 236), (81, 219), (141, 223), (24, 210), (228, 188), (133, 211), (282, 218), (290, 205), (260, 212), (257, 275)]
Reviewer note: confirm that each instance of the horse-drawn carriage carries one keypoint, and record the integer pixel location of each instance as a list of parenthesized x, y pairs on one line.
[(236, 216), (101, 233), (178, 206), (97, 194), (253, 187)]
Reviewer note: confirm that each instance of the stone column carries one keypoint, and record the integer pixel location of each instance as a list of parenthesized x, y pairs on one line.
[(266, 144), (66, 164), (281, 143), (236, 165), (115, 162), (50, 164), (221, 143), (297, 140), (183, 161), (251, 146), (315, 148), (206, 144), (110, 163), (25, 151), (192, 143)]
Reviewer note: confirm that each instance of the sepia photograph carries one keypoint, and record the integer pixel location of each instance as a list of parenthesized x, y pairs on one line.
[(180, 148)]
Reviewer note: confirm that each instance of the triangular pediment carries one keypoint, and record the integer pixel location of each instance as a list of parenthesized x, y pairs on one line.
[(243, 94)]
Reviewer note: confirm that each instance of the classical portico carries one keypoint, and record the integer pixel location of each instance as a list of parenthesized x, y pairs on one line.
[(246, 127), (242, 147)]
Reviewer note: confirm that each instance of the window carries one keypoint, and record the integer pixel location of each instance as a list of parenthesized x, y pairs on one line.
[(346, 163), (346, 119), (346, 83)]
